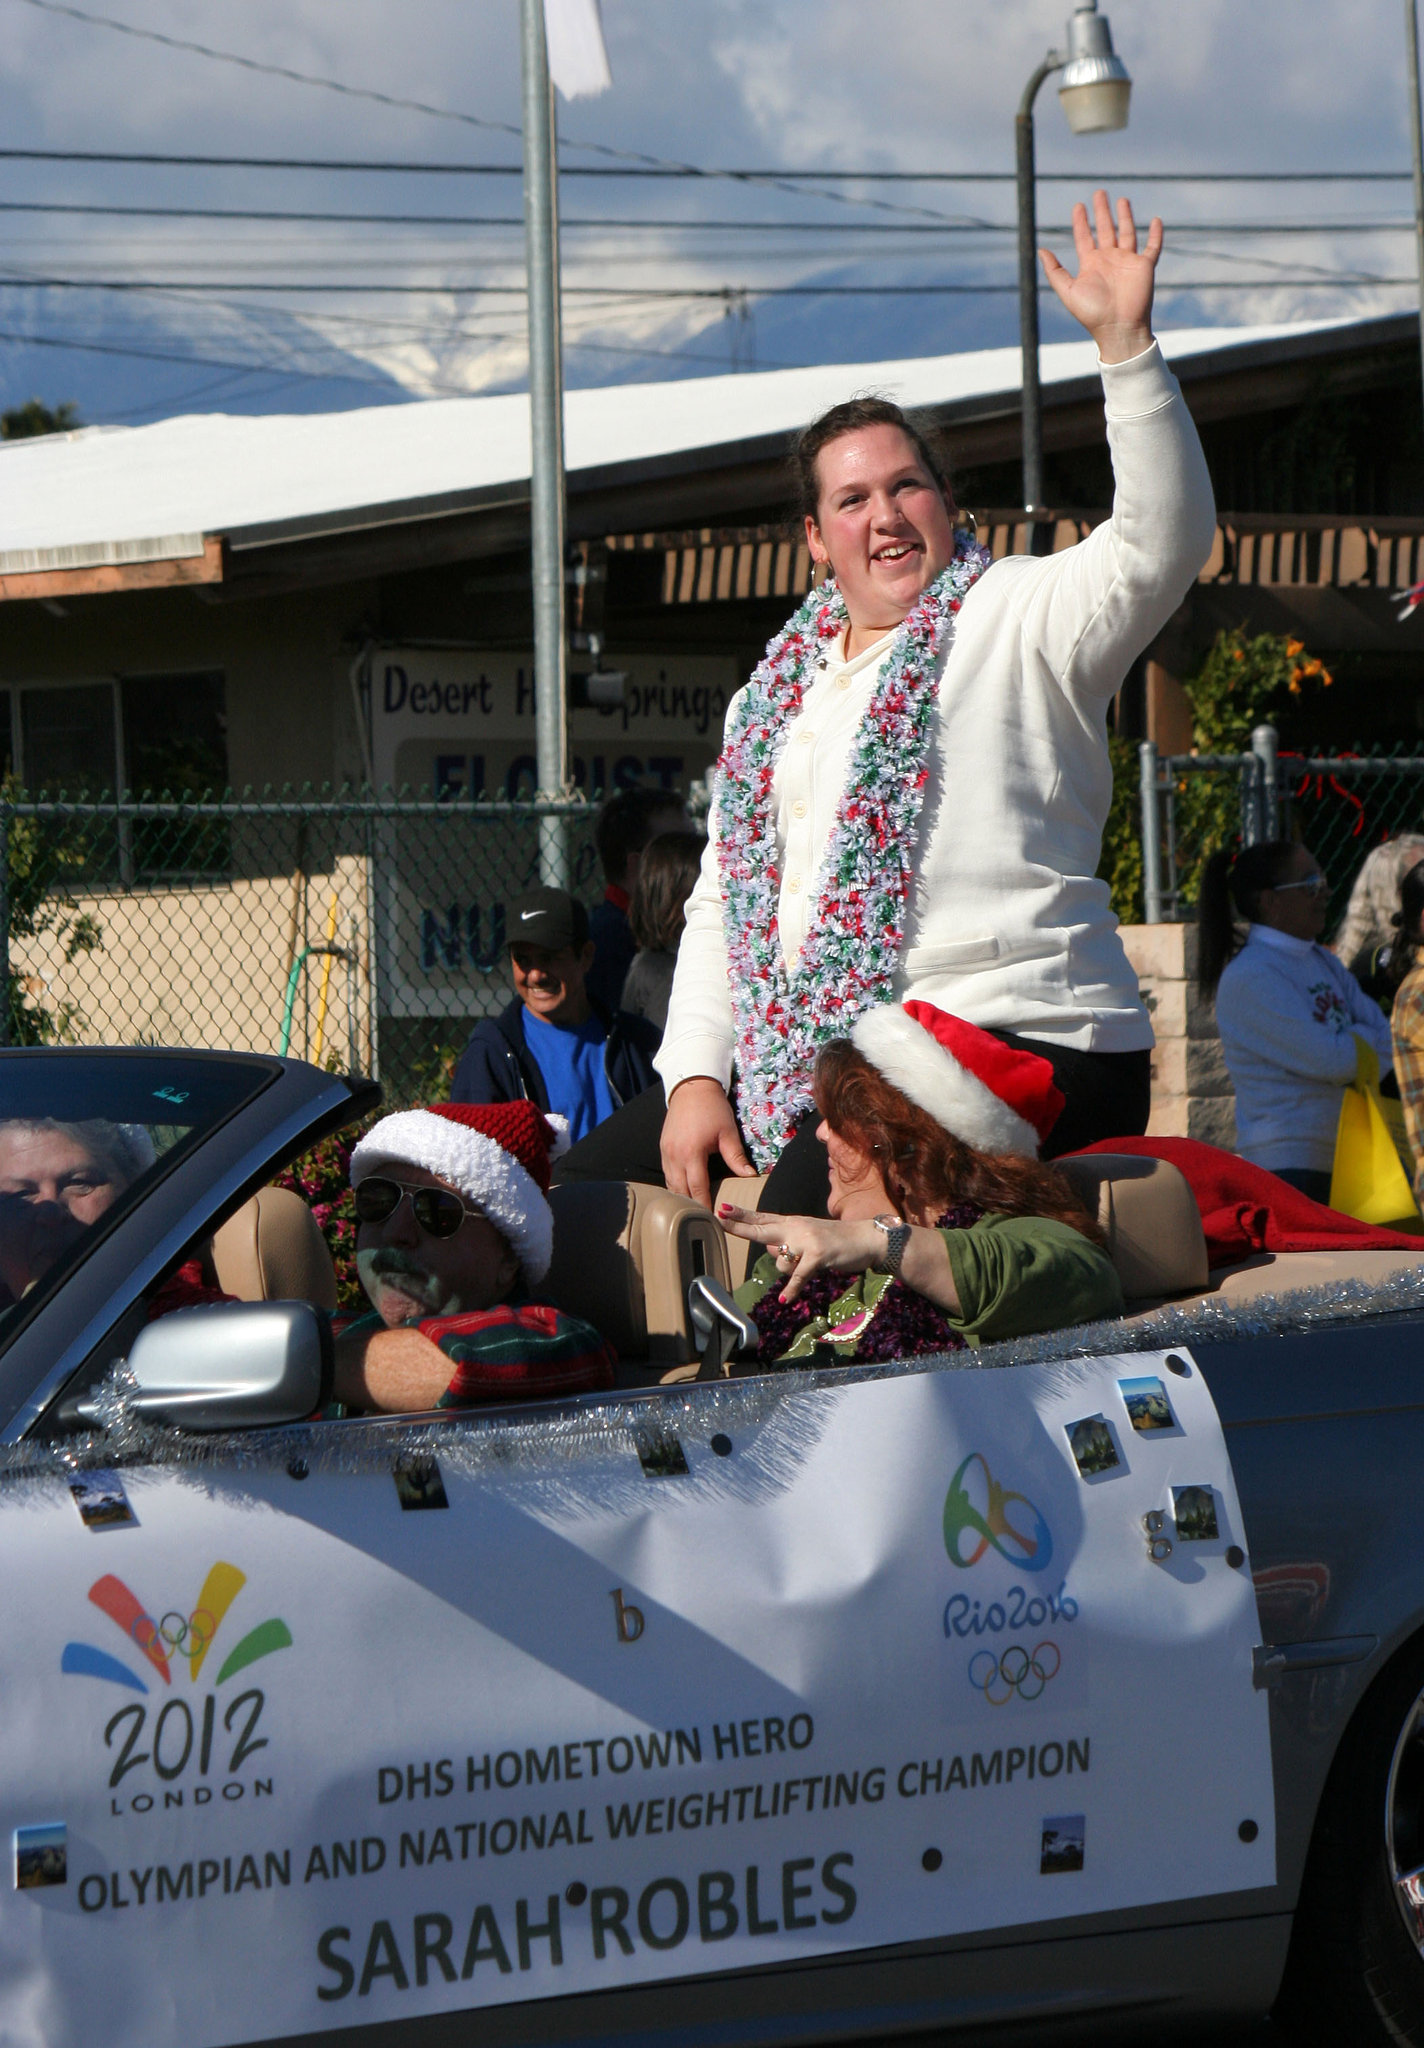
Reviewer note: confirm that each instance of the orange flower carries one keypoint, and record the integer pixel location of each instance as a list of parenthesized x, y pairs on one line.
[(1293, 648), (1313, 668), (1294, 687), (1238, 654), (1326, 679)]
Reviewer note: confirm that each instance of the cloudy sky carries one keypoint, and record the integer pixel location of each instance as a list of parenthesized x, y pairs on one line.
[(797, 85)]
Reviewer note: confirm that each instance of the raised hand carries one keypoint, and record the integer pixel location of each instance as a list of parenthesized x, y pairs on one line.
[(1112, 293)]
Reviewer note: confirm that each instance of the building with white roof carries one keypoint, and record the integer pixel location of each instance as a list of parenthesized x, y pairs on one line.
[(223, 579), (345, 598)]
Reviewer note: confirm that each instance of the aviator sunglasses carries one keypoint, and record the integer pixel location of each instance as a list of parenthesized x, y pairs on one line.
[(438, 1212)]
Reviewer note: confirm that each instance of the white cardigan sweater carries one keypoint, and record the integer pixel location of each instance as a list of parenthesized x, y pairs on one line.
[(1006, 924), (1289, 1013)]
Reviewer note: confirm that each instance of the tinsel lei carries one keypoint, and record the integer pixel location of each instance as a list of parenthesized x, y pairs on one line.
[(857, 928)]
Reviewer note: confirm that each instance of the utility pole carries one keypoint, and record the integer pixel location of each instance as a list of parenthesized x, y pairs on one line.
[(546, 437), (1411, 37)]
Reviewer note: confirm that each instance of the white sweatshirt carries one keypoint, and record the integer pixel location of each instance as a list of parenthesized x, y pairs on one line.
[(1289, 1012), (1007, 924)]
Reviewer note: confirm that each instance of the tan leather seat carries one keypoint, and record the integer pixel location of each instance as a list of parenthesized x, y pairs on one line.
[(1157, 1244), (742, 1254), (624, 1257), (273, 1250), (1150, 1218), (1278, 1272)]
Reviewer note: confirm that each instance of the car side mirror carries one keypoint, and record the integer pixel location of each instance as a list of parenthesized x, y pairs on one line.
[(230, 1365), (720, 1329)]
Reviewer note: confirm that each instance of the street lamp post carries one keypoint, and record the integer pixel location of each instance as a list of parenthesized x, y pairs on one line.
[(1094, 93)]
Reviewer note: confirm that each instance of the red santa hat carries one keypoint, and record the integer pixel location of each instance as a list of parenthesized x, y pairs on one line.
[(982, 1091), (496, 1154)]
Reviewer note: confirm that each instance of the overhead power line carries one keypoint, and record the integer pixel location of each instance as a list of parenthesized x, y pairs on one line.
[(189, 160), (357, 372), (386, 99), (355, 92), (299, 216), (611, 294)]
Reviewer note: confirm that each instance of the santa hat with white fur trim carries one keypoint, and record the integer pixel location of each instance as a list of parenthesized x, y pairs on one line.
[(496, 1154), (981, 1090)]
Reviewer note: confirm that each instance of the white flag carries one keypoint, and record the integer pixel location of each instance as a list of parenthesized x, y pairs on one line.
[(578, 62)]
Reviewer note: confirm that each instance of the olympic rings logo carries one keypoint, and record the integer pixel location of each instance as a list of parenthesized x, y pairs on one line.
[(1017, 1671), (175, 1635)]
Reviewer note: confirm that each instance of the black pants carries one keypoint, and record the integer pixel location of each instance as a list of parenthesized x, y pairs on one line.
[(1108, 1096), (1307, 1180)]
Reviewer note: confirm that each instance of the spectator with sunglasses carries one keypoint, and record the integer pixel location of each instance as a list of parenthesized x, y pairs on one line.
[(1288, 1011), (454, 1229)]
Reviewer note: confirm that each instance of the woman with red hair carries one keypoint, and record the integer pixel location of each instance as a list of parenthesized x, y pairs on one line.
[(945, 1227)]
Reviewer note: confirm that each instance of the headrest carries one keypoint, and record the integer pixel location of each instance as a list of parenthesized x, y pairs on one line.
[(624, 1255), (273, 1250), (1150, 1218)]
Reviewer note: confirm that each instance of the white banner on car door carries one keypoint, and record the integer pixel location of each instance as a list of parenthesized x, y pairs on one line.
[(290, 1753)]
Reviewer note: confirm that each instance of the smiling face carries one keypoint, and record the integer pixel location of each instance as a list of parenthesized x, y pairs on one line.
[(51, 1187), (551, 984), (409, 1275), (883, 523)]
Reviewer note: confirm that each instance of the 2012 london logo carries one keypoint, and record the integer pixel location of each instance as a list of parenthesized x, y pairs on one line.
[(180, 1747)]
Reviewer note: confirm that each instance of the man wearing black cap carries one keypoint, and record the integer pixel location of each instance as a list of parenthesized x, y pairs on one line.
[(554, 1043)]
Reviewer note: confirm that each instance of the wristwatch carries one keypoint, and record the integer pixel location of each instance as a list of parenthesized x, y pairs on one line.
[(897, 1236)]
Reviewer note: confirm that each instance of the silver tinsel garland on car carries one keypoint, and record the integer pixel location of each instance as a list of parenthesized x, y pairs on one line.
[(741, 1437)]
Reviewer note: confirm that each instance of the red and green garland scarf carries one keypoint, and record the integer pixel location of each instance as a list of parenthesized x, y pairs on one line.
[(858, 926)]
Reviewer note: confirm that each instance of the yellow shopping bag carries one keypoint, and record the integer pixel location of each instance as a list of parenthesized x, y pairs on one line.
[(1367, 1180)]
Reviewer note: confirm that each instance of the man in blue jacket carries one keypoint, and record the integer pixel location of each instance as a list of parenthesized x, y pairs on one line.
[(554, 1044)]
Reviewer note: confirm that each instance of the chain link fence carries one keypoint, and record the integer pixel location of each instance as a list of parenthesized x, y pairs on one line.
[(359, 931), (1341, 805)]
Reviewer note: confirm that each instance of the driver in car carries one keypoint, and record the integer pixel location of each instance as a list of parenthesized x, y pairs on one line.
[(454, 1229), (55, 1180)]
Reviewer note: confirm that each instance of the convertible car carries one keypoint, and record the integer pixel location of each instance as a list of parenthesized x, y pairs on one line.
[(1072, 1688)]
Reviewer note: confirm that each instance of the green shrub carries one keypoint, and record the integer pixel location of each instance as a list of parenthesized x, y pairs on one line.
[(1246, 680)]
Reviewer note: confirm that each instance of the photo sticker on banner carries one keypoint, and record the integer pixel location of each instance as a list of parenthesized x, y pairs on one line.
[(419, 1485), (101, 1501), (40, 1857), (1194, 1511), (1093, 1445), (660, 1453), (1061, 1844), (1148, 1409)]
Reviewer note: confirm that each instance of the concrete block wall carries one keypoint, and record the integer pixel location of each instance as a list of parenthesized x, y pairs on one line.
[(1192, 1096)]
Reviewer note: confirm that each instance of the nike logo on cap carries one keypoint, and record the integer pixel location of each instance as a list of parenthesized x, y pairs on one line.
[(525, 915)]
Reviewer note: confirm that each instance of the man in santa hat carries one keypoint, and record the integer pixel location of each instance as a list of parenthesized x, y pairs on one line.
[(454, 1229)]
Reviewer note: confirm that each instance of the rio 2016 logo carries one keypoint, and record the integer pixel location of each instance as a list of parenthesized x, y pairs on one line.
[(979, 1515), (180, 1737)]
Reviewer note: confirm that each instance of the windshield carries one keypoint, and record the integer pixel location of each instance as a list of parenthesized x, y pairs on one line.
[(85, 1135)]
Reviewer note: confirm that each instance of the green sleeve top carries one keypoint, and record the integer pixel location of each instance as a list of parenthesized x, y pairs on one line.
[(1014, 1275)]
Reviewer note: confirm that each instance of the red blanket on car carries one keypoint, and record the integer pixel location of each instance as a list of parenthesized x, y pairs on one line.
[(1244, 1209)]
